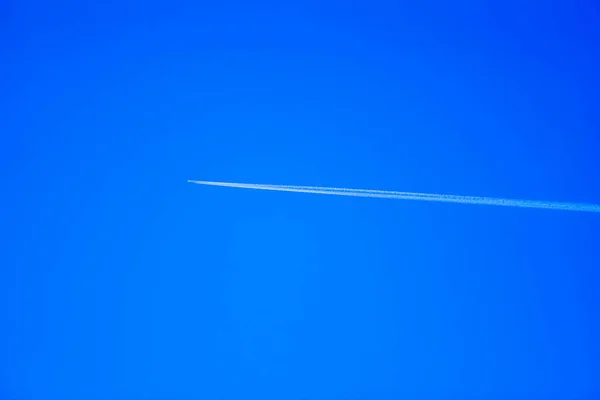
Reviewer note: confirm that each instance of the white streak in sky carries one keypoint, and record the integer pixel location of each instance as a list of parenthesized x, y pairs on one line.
[(390, 194)]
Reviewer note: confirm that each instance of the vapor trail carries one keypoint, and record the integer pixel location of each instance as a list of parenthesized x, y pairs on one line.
[(390, 194)]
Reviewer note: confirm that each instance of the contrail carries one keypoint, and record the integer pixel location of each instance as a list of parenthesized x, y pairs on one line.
[(390, 194)]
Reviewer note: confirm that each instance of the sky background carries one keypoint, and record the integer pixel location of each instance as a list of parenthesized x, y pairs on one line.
[(118, 279)]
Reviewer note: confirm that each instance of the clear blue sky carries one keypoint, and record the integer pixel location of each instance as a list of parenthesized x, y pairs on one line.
[(118, 279)]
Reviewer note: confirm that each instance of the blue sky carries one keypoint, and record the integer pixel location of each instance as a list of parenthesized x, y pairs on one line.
[(118, 279)]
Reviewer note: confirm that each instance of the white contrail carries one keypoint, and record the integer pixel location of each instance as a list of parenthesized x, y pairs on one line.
[(390, 194)]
